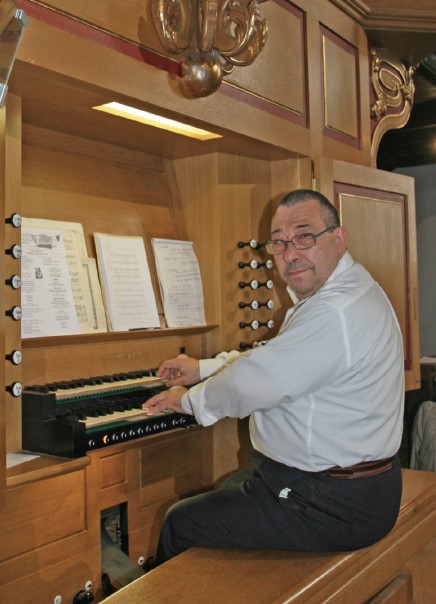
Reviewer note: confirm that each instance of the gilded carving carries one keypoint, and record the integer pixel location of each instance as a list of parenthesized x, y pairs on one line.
[(215, 36), (394, 90)]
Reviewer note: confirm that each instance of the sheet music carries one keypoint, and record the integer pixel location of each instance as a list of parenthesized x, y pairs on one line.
[(46, 293), (180, 282), (84, 279), (96, 316), (73, 231), (125, 277)]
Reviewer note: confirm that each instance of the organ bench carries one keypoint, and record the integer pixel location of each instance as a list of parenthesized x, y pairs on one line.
[(400, 569)]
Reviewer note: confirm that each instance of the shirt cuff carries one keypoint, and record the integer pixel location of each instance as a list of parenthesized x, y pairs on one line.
[(186, 404), (209, 366)]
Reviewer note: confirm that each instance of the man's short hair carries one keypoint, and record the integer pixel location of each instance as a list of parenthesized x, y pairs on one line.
[(329, 213)]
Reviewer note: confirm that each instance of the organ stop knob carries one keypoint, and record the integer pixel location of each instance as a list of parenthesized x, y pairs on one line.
[(83, 596)]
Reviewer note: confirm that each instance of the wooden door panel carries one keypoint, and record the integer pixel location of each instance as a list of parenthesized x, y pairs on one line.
[(378, 210)]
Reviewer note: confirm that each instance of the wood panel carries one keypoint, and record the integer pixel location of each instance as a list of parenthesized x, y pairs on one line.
[(167, 468), (329, 84), (383, 227), (3, 449), (245, 213), (48, 359), (173, 468), (421, 567), (399, 591), (247, 118), (278, 73), (227, 200), (62, 579), (130, 19), (340, 88), (67, 495), (9, 328), (373, 225)]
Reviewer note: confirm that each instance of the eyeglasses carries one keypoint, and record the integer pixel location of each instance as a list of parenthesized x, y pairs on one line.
[(300, 242)]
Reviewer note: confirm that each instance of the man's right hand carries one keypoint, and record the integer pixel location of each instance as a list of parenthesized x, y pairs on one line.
[(180, 371)]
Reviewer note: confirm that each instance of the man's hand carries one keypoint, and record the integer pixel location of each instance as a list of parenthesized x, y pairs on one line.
[(180, 371), (168, 400)]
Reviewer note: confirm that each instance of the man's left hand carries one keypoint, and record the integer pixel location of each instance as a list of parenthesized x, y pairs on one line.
[(168, 400)]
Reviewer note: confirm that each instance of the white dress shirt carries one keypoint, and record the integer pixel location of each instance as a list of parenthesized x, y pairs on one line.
[(328, 389)]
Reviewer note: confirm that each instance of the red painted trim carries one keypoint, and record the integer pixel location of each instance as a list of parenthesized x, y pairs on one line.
[(86, 31), (265, 105)]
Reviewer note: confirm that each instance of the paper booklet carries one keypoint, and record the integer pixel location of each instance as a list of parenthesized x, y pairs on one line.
[(180, 282), (81, 273), (126, 283), (46, 294)]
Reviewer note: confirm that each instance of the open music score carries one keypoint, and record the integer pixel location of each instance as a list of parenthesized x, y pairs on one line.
[(69, 418)]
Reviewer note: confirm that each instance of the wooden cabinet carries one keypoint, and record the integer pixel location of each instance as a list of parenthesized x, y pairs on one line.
[(49, 547), (51, 524)]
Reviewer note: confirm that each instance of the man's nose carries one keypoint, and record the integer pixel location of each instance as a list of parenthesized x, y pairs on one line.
[(291, 253)]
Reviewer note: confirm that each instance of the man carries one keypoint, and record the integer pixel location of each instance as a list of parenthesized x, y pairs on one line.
[(325, 399)]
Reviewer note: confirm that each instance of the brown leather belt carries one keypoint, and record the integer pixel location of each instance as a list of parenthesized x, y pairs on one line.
[(366, 468)]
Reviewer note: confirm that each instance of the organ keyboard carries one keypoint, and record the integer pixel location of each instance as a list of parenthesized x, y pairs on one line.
[(69, 418)]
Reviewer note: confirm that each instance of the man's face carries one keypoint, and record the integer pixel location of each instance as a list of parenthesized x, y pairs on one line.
[(306, 271)]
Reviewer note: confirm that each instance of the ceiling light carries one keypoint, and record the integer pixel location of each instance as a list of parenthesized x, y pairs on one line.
[(150, 119)]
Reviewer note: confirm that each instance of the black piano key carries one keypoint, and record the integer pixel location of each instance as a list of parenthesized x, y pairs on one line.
[(79, 414), (44, 389), (125, 402), (107, 378), (99, 410), (77, 383), (94, 381), (64, 385), (107, 409)]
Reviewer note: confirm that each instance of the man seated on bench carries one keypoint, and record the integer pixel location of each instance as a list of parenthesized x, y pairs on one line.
[(325, 400)]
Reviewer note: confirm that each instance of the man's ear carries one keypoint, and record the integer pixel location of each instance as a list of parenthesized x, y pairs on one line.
[(341, 238)]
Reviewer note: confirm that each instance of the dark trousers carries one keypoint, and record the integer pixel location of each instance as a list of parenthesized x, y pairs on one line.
[(278, 507)]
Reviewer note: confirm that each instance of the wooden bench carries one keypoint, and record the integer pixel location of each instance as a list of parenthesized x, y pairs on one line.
[(399, 569)]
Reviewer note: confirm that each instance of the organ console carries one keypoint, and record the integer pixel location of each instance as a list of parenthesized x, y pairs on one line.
[(69, 418)]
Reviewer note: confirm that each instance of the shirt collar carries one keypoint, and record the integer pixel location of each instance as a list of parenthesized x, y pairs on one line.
[(345, 262)]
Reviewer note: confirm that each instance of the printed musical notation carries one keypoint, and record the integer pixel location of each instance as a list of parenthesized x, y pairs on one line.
[(180, 282), (126, 283)]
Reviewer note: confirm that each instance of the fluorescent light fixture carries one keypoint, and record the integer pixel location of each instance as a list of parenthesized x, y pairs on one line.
[(144, 117)]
